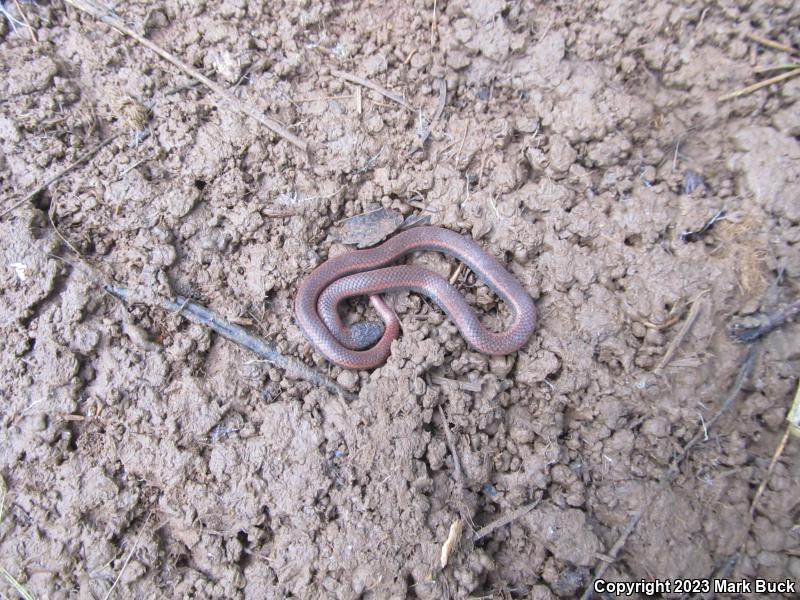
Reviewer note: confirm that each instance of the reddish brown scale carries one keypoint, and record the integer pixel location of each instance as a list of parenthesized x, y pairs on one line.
[(362, 272)]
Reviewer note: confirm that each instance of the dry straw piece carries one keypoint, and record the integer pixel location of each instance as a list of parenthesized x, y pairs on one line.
[(450, 544), (794, 413), (792, 69), (101, 13)]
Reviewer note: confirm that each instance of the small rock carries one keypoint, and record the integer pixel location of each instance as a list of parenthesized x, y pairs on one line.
[(229, 68), (657, 427), (564, 533), (348, 380), (456, 59), (369, 228), (8, 129), (561, 154)]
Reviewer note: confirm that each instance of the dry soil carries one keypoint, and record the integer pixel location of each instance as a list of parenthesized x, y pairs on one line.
[(577, 141)]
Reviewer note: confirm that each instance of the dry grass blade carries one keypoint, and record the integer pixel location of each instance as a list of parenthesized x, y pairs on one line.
[(130, 554), (451, 543), (761, 84), (101, 14), (25, 20), (793, 418), (792, 428), (208, 318), (18, 587), (775, 456), (369, 85), (794, 69), (512, 516), (770, 68), (687, 326), (82, 159), (771, 44), (452, 445), (743, 375)]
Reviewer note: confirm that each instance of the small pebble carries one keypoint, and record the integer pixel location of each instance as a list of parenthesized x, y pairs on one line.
[(348, 380)]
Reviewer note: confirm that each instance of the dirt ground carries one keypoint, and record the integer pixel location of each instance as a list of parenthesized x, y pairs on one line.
[(577, 141)]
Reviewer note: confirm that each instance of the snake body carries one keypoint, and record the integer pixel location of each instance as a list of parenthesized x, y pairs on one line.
[(367, 272)]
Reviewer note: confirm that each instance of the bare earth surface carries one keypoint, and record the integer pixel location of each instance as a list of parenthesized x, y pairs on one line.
[(142, 451)]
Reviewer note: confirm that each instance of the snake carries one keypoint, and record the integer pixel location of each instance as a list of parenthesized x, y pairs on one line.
[(373, 272)]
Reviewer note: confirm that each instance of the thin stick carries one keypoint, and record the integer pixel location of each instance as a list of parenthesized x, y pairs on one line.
[(136, 164), (369, 85), (323, 98), (772, 463), (442, 100), (741, 378), (452, 445), (687, 326), (773, 321), (25, 18), (770, 44), (744, 531), (745, 370), (3, 490), (675, 156), (83, 158), (58, 233), (434, 26), (233, 102), (130, 554), (275, 213), (512, 516), (759, 85), (464, 139), (457, 273), (203, 316)]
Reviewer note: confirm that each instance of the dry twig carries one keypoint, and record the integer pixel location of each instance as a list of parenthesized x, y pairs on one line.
[(512, 516), (771, 44), (451, 543), (775, 456), (772, 321), (101, 14), (374, 87), (761, 84), (82, 159), (203, 316), (451, 444), (745, 370), (794, 68), (25, 20), (687, 326), (791, 428), (130, 554)]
